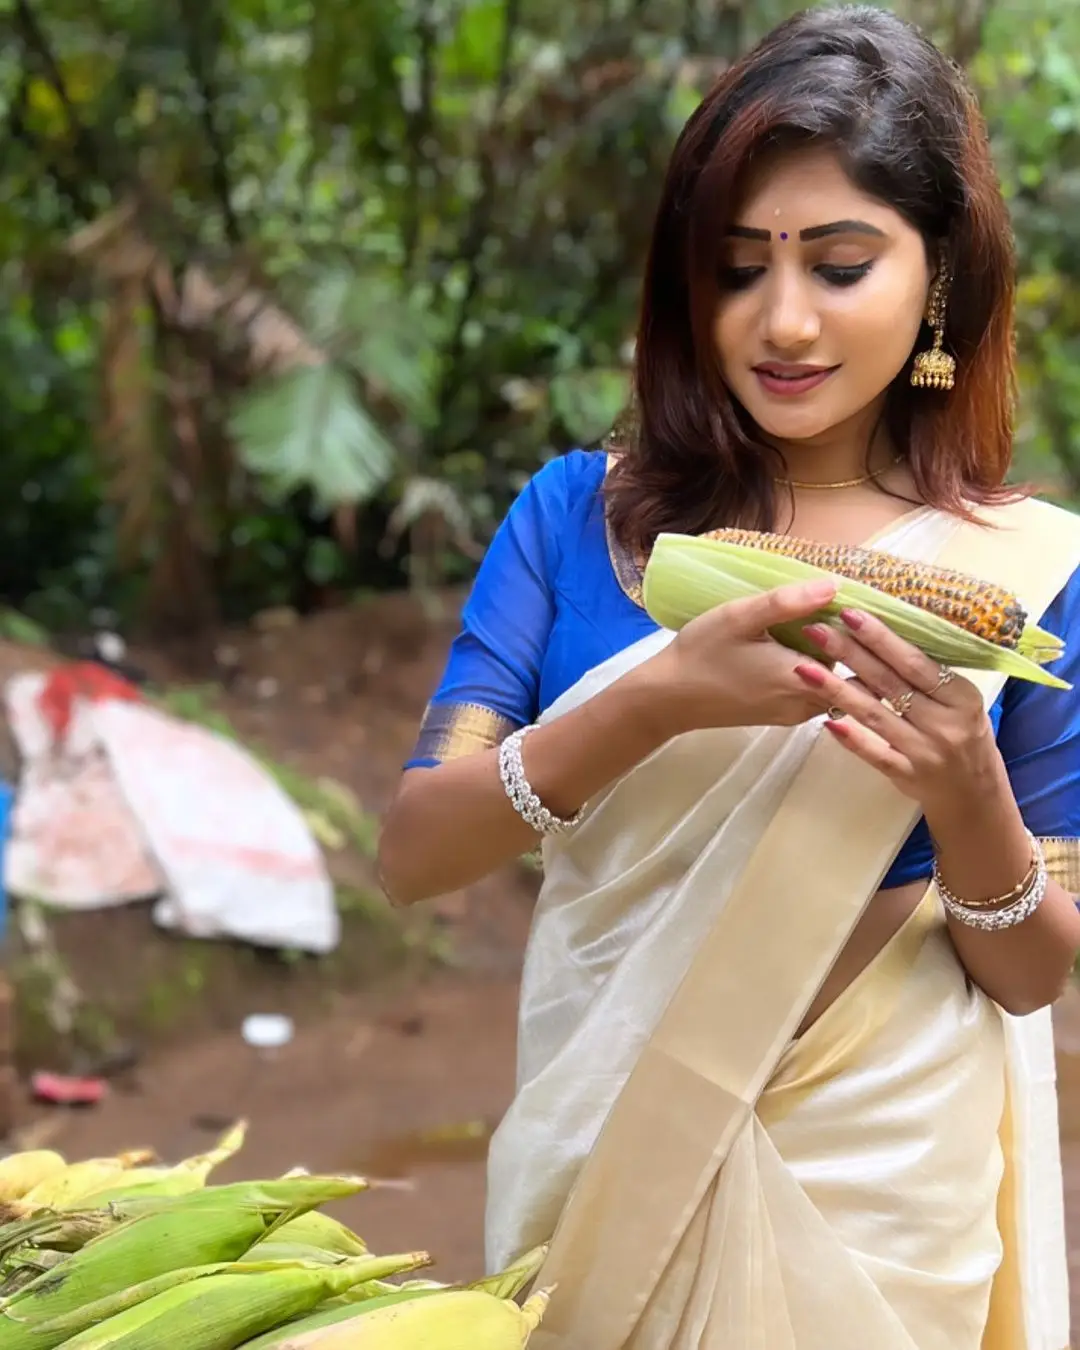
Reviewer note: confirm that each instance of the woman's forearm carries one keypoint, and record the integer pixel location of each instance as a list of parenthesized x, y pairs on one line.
[(450, 825), (983, 851)]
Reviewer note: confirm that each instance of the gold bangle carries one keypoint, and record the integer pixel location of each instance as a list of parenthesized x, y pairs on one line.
[(997, 901)]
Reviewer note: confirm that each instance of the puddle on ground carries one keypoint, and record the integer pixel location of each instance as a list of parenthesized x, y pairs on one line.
[(400, 1155)]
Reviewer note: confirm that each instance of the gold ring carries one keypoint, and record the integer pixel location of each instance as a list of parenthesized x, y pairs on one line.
[(834, 714), (902, 703), (945, 676)]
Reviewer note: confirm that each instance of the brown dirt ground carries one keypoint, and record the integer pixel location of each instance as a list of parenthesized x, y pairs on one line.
[(402, 1078)]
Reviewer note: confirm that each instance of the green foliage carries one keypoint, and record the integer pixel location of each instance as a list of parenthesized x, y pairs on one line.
[(1029, 72), (296, 295)]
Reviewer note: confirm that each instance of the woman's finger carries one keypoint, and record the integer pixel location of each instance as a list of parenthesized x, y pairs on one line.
[(873, 750), (914, 667), (874, 674), (754, 615), (854, 699)]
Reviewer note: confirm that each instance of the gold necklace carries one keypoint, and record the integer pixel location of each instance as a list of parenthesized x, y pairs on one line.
[(843, 483)]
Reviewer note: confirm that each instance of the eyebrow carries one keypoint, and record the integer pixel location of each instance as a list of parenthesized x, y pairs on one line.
[(814, 232)]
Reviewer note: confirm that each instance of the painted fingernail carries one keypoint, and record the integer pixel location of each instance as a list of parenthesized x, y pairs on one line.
[(820, 592), (838, 729), (818, 634), (811, 675), (853, 618)]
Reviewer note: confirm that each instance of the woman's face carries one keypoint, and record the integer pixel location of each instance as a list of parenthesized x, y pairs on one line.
[(823, 291)]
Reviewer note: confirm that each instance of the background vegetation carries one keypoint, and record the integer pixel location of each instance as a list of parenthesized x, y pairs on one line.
[(295, 293)]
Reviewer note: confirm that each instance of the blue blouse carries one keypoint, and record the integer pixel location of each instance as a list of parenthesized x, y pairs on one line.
[(555, 596)]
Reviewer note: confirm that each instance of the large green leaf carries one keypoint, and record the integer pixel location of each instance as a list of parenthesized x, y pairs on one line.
[(392, 343), (309, 429)]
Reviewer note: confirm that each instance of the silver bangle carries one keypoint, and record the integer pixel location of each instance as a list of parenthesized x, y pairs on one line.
[(518, 788), (995, 920)]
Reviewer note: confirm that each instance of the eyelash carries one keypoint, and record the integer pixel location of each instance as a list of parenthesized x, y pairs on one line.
[(740, 278)]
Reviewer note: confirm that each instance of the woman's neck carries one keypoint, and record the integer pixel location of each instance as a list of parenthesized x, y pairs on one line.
[(858, 450)]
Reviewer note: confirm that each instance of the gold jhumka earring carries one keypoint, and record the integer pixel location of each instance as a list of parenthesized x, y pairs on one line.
[(936, 369)]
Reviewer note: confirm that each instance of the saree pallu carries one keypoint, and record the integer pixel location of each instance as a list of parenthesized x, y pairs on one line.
[(709, 1182)]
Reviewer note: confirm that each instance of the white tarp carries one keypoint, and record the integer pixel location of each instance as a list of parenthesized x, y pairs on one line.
[(129, 802)]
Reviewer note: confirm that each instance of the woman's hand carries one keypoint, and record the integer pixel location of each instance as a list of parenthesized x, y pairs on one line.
[(932, 736), (724, 670)]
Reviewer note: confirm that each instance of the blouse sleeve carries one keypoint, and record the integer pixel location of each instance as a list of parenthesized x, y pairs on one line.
[(1039, 738), (491, 682)]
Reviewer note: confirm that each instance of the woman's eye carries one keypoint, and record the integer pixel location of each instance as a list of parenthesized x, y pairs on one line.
[(738, 278), (843, 276)]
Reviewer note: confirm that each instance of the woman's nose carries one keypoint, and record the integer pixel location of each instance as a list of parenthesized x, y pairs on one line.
[(791, 317)]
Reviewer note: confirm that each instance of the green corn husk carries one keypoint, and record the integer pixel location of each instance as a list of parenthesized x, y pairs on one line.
[(180, 1179), (226, 1309), (58, 1330), (519, 1275), (288, 1197), (125, 1259), (185, 1232), (59, 1232), (375, 1294), (339, 1309), (274, 1250), (321, 1230), (686, 576), (24, 1266), (69, 1230)]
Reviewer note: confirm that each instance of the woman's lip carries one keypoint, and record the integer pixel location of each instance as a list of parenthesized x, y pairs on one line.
[(793, 384)]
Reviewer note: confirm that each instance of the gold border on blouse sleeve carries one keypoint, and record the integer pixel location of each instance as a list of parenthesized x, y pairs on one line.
[(1063, 861), (452, 730)]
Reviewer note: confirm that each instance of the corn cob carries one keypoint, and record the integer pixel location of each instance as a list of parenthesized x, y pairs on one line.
[(225, 1309), (273, 1250), (17, 1335), (462, 1319), (287, 1197), (21, 1172), (76, 1180), (184, 1233), (185, 1176), (506, 1283), (67, 1186), (375, 1294), (978, 607), (131, 1255), (321, 1230), (687, 575), (302, 1331), (71, 1230)]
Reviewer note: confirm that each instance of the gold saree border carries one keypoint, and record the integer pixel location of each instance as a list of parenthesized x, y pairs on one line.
[(453, 730), (627, 569)]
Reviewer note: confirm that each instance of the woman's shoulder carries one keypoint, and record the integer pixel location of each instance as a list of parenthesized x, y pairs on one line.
[(563, 500), (1034, 515), (569, 479)]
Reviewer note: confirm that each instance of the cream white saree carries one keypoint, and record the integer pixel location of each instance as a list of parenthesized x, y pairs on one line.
[(888, 1181)]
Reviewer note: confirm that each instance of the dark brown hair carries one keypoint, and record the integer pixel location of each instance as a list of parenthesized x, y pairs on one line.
[(909, 133)]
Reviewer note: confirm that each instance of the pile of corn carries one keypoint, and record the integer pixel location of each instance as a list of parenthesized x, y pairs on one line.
[(122, 1254), (956, 619)]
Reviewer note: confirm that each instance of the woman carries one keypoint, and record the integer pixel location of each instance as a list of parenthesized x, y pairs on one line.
[(785, 1074)]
